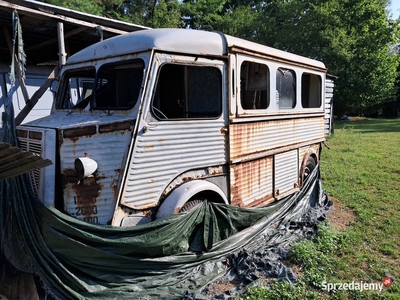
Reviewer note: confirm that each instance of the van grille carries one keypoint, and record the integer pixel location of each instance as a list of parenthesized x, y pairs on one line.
[(29, 142)]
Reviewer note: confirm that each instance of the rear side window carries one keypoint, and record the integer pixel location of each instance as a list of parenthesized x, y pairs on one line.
[(285, 88), (310, 90), (254, 84), (188, 92)]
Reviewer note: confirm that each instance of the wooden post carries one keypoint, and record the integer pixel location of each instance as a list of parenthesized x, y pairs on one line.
[(62, 55)]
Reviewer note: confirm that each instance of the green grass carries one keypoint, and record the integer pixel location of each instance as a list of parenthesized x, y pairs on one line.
[(362, 171)]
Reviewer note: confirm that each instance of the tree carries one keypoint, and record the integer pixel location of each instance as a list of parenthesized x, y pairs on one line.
[(166, 14), (107, 8), (369, 77), (202, 14), (352, 37), (151, 13)]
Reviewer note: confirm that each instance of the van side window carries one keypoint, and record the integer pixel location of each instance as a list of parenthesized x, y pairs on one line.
[(285, 88), (188, 92), (310, 90), (254, 82), (118, 85)]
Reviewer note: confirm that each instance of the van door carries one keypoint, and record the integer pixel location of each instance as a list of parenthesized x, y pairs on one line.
[(182, 127)]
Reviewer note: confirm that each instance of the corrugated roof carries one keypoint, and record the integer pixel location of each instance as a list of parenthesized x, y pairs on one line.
[(14, 161)]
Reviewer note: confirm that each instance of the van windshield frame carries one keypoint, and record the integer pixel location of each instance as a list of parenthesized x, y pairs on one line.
[(115, 86)]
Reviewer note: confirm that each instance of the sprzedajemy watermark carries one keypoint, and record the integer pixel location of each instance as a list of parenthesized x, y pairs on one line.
[(357, 286)]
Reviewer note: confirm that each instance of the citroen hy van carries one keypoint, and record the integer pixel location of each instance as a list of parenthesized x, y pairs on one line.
[(152, 123)]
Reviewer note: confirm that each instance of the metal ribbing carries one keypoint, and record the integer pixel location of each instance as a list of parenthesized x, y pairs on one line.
[(167, 149)]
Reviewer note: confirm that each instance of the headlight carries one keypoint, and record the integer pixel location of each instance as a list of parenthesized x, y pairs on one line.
[(85, 166)]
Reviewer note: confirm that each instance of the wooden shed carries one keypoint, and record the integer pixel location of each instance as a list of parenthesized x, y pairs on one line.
[(329, 117), (50, 34)]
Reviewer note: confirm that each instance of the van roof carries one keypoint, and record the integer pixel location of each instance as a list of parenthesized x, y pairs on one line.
[(179, 41)]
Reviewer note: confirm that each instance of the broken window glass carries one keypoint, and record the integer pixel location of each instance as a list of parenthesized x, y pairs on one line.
[(310, 90), (254, 82), (285, 88)]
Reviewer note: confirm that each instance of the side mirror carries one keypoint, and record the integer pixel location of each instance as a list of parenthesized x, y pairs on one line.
[(54, 85)]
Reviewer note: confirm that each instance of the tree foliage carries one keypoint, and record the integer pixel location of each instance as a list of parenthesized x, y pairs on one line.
[(354, 38)]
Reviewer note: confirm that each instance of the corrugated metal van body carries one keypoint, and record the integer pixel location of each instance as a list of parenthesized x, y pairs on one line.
[(93, 199), (168, 152), (266, 157), (249, 138), (252, 182), (164, 150), (286, 171)]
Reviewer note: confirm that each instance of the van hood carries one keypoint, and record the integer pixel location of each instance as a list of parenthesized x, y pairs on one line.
[(73, 120)]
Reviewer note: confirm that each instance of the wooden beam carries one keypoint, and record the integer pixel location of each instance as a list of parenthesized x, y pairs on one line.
[(50, 16), (55, 40), (35, 98)]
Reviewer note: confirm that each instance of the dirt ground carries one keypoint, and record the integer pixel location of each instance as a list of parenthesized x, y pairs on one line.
[(340, 216)]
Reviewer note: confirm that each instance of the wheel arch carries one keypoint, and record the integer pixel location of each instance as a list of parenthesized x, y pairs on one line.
[(187, 191), (311, 152)]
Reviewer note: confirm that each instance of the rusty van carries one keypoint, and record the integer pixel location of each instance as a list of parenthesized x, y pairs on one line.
[(151, 123)]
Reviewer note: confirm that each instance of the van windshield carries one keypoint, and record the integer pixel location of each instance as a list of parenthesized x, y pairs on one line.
[(77, 88), (116, 86)]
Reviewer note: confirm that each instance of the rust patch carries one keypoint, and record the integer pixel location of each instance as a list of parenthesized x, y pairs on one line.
[(177, 210), (122, 126), (224, 130), (74, 133), (114, 187), (22, 133), (254, 138), (34, 135), (215, 170), (70, 173), (186, 179), (101, 176), (86, 193), (252, 182), (262, 202)]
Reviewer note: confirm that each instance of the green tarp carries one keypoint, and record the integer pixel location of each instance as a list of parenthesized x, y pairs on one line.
[(166, 259)]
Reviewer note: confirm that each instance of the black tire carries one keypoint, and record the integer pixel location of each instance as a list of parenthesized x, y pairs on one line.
[(309, 167), (191, 204)]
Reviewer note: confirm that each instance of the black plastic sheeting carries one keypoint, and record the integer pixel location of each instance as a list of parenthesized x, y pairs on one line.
[(183, 256)]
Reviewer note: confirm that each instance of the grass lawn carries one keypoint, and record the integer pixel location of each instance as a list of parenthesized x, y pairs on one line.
[(361, 173)]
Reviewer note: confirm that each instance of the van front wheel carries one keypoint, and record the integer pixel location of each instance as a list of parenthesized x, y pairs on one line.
[(191, 205)]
